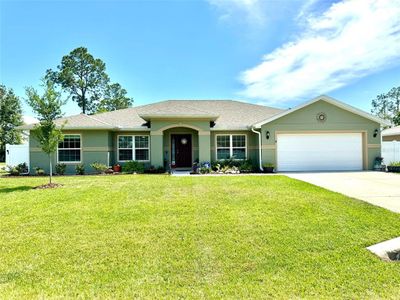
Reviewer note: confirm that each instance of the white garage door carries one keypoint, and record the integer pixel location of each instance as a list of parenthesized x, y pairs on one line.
[(319, 152)]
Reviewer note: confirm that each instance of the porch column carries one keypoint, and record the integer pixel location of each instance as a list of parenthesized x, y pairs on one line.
[(156, 149), (204, 146)]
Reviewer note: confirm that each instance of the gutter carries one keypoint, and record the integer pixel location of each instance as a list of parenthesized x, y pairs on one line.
[(259, 147)]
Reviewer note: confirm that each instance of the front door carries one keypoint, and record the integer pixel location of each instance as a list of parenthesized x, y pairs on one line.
[(181, 150)]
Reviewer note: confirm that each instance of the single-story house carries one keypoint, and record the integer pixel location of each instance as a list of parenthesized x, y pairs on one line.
[(322, 134), (391, 134)]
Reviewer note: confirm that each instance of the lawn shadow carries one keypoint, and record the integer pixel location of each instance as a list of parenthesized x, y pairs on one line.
[(15, 189)]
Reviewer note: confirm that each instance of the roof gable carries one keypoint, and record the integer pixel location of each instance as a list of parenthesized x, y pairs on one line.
[(329, 100)]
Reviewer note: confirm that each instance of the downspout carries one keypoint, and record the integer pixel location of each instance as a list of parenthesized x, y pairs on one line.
[(259, 147)]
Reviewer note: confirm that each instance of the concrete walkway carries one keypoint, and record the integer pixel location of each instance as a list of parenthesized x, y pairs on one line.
[(378, 188)]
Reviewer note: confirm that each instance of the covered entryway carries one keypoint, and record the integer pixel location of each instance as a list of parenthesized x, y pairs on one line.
[(319, 152), (181, 150)]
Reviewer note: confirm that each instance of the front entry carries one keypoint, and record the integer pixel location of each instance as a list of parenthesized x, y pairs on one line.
[(181, 150)]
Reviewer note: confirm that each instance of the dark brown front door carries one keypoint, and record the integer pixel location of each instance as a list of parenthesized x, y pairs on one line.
[(181, 150)]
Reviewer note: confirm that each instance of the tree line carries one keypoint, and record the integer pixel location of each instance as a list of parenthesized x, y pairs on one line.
[(79, 77)]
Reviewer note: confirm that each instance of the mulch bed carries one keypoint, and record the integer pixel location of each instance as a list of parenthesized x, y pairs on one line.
[(48, 186)]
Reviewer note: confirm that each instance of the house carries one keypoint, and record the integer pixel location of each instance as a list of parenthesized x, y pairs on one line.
[(391, 134), (322, 134)]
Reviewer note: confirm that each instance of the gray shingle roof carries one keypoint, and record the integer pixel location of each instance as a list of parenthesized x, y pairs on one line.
[(228, 114)]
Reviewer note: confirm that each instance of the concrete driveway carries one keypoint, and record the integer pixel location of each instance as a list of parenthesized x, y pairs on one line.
[(377, 188)]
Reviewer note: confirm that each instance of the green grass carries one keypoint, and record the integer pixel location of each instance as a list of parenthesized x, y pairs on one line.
[(156, 236)]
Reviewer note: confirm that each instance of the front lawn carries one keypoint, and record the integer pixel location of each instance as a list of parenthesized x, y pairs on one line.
[(158, 236)]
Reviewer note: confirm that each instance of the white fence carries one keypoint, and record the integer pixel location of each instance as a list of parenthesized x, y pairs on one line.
[(17, 154), (390, 152)]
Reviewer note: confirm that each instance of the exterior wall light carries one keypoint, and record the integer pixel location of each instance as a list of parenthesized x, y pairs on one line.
[(267, 135), (376, 133)]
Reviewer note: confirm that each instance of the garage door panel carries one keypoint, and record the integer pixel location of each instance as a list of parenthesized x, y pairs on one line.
[(319, 152)]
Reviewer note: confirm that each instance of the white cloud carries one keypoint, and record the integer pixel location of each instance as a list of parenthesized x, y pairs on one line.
[(29, 119), (251, 11), (348, 41)]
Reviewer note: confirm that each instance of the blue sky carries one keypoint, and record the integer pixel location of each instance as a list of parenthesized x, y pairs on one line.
[(276, 53)]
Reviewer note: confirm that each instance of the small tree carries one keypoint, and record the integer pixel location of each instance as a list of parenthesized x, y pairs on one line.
[(47, 108), (10, 118)]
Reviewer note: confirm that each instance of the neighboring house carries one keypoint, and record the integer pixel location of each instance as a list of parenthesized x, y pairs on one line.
[(391, 145), (391, 134), (322, 134)]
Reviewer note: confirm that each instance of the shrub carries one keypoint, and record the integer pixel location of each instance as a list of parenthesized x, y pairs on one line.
[(39, 171), (154, 170), (80, 169), (395, 164), (60, 169), (14, 171), (133, 167), (22, 168), (268, 165), (246, 167), (18, 169), (205, 167), (233, 166), (100, 168)]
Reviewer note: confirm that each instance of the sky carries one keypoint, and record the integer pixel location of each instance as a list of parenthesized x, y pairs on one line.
[(276, 53)]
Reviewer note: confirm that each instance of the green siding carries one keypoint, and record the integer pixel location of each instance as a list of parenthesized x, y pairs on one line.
[(96, 146), (305, 120)]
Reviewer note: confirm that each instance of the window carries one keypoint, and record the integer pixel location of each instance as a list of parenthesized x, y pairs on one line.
[(133, 147), (231, 145), (69, 150)]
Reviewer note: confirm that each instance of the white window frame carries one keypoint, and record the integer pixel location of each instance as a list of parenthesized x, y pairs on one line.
[(133, 147), (231, 145), (80, 149)]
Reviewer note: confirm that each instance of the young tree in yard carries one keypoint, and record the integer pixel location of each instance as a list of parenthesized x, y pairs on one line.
[(10, 118), (115, 97), (83, 77), (387, 106), (47, 108)]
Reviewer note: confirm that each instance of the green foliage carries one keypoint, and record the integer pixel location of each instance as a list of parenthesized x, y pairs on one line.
[(60, 168), (115, 97), (22, 168), (47, 108), (19, 169), (85, 79), (39, 171), (268, 165), (246, 167), (154, 170), (14, 171), (232, 166), (80, 169), (82, 76), (395, 164), (133, 167), (100, 168), (387, 106), (10, 118)]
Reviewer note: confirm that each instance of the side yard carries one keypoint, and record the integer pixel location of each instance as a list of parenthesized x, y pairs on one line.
[(155, 236)]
